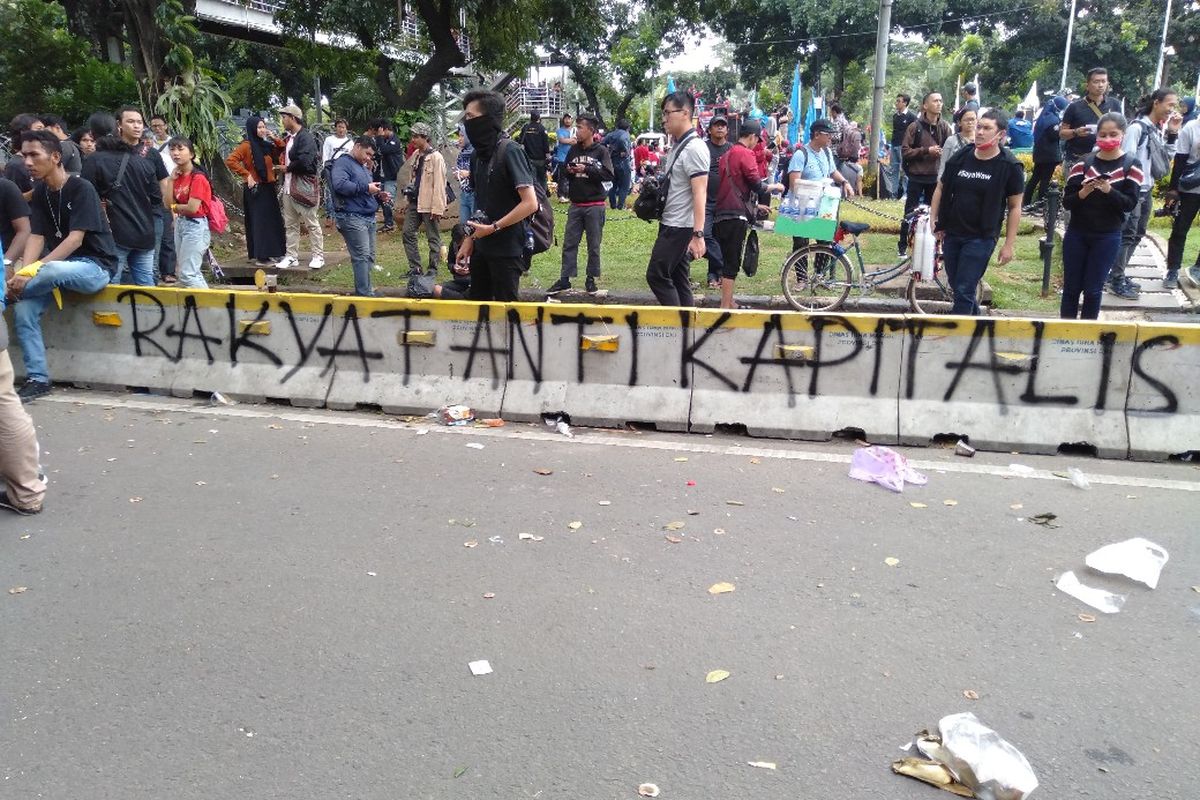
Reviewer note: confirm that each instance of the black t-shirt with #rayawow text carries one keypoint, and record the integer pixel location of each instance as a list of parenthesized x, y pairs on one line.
[(975, 193), (76, 207)]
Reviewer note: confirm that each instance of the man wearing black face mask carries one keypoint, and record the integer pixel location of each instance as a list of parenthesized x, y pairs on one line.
[(504, 196)]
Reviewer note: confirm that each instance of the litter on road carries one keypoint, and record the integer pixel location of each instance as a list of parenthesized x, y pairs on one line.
[(884, 466), (721, 588), (1098, 599), (971, 760), (453, 415), (481, 667), (1137, 559), (648, 790)]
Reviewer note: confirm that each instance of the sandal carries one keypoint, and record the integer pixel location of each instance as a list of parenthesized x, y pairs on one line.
[(170, 280)]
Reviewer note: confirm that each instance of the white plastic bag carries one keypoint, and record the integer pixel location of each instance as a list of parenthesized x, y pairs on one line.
[(884, 466), (1139, 559), (982, 760), (924, 247)]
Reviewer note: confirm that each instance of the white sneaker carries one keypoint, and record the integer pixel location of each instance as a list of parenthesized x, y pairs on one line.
[(287, 262), (316, 263)]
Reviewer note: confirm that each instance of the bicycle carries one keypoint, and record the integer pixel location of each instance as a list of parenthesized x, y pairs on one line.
[(819, 277)]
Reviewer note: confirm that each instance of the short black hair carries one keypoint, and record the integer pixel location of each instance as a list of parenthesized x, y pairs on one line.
[(996, 115), (45, 138), (159, 116), (365, 141), (835, 107), (906, 98), (623, 124), (104, 129), (1096, 71), (21, 123), (123, 110), (341, 120), (181, 141), (535, 116), (1020, 113), (591, 120), (53, 121), (679, 99), (491, 103), (375, 123), (925, 98)]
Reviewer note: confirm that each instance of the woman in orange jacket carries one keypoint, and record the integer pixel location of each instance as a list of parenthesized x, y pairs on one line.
[(254, 160)]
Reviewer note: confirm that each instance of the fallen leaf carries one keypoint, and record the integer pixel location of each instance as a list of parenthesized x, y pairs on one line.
[(891, 561), (18, 590), (674, 526), (949, 502), (918, 505), (970, 694), (719, 531), (673, 539), (458, 773), (756, 460), (762, 764), (648, 790), (777, 490), (471, 543), (734, 503), (721, 588), (1017, 506), (135, 499), (1046, 520), (576, 525), (488, 595), (716, 676), (931, 772), (543, 472), (681, 459), (1087, 618)]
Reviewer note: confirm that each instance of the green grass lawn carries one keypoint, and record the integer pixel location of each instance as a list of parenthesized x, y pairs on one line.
[(627, 243)]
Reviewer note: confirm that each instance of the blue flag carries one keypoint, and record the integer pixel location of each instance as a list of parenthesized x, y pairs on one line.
[(670, 85), (794, 106)]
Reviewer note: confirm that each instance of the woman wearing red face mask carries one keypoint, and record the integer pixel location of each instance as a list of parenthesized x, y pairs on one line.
[(1101, 189)]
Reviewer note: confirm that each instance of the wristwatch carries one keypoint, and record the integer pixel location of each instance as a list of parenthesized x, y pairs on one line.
[(697, 234)]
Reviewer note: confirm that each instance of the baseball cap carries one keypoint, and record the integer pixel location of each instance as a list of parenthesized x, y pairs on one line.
[(292, 110), (821, 126), (420, 129), (719, 120), (970, 88)]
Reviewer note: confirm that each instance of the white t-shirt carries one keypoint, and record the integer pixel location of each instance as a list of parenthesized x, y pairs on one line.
[(691, 161), (165, 152), (1189, 144), (331, 145)]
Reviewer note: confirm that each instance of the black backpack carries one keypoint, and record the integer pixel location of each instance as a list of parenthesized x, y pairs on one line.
[(652, 191)]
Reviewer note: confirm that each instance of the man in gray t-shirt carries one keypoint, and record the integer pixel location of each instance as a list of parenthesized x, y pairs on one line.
[(681, 233)]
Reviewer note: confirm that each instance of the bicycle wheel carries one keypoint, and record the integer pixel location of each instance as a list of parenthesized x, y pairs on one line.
[(815, 278), (935, 296)]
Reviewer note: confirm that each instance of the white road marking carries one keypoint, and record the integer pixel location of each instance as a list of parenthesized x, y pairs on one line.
[(594, 437)]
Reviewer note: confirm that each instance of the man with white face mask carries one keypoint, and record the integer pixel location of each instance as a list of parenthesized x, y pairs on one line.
[(978, 184)]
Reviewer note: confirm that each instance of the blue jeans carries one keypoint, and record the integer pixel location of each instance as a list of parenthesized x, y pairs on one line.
[(966, 260), (389, 218), (622, 183), (893, 176), (466, 205), (80, 275), (135, 266), (191, 243), (359, 232), (1087, 258)]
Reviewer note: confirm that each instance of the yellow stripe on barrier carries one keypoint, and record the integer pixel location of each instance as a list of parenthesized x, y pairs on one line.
[(421, 338), (110, 319), (251, 327)]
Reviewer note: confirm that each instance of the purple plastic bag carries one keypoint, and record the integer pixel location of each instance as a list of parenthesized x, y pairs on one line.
[(884, 466)]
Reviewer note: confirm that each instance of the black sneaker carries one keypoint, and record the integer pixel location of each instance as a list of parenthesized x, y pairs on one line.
[(901, 250), (590, 285), (1172, 279), (1122, 291), (560, 285), (32, 389), (1133, 284), (5, 503)]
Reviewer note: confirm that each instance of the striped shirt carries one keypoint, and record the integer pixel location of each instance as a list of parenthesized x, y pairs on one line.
[(1102, 212)]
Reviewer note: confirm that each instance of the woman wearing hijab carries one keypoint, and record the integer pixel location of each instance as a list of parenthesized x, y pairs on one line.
[(1047, 148), (254, 160)]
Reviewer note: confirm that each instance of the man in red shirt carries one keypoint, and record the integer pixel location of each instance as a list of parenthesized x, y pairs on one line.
[(641, 154), (740, 194)]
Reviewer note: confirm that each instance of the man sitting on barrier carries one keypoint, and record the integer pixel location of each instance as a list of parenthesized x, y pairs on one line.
[(70, 247)]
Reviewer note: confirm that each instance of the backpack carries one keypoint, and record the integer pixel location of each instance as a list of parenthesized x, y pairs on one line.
[(1189, 179), (652, 192), (327, 167), (218, 220), (848, 147), (539, 224), (1156, 148)]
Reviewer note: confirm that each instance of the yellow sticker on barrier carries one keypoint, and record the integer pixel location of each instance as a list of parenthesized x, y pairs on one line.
[(794, 352), (110, 319), (261, 327), (421, 338), (605, 343)]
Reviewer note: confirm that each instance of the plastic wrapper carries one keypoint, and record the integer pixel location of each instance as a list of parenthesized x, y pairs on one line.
[(454, 415), (1137, 559), (1098, 599), (983, 761), (924, 248), (884, 466)]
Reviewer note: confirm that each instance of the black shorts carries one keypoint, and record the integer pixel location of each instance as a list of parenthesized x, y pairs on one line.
[(731, 236)]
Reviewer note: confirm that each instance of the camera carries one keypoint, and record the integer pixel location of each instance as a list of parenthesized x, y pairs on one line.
[(478, 219), (410, 192)]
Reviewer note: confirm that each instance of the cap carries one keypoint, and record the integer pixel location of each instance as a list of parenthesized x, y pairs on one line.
[(420, 129), (293, 111), (750, 127), (821, 126), (969, 88), (718, 120)]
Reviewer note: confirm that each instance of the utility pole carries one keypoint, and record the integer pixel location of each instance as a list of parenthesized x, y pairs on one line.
[(1162, 49), (316, 79), (1067, 54), (881, 57)]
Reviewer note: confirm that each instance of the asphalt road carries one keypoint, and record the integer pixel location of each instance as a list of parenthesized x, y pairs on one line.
[(261, 602)]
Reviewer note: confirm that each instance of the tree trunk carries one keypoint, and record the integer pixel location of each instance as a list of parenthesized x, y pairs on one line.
[(623, 107), (440, 24), (149, 46)]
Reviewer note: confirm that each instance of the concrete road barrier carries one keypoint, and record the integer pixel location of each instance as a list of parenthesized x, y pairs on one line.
[(1006, 384)]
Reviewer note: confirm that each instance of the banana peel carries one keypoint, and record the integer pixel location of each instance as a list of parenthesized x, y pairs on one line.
[(931, 772)]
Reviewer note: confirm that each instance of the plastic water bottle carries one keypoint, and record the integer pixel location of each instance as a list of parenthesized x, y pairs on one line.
[(810, 208)]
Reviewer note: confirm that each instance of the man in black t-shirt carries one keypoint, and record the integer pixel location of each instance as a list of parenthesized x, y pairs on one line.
[(536, 142), (504, 194), (893, 177), (1078, 128), (977, 186), (70, 247), (14, 224), (131, 196), (131, 127), (15, 170), (718, 145)]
